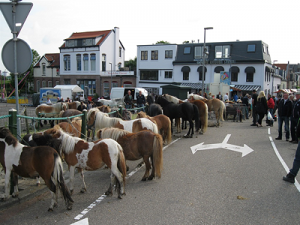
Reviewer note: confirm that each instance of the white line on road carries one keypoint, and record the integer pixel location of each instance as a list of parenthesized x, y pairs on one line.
[(102, 197)]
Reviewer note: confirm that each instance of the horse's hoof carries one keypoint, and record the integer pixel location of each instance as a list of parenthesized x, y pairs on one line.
[(119, 197), (83, 190), (38, 184), (50, 210), (15, 195), (150, 178), (71, 191), (69, 207), (127, 168), (108, 193), (144, 178), (186, 136)]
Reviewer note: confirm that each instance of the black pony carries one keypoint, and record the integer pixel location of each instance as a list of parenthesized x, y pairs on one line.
[(186, 111), (154, 110)]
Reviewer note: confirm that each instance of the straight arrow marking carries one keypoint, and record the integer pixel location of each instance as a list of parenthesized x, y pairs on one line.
[(245, 150)]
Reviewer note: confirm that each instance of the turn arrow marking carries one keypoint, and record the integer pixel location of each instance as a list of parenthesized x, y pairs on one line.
[(244, 150)]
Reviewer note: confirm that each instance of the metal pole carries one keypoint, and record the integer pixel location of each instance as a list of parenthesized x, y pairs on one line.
[(203, 58), (110, 76), (15, 39)]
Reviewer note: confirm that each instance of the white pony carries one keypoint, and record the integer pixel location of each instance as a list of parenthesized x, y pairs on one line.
[(113, 102), (196, 97)]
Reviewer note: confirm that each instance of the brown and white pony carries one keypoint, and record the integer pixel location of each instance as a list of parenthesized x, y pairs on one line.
[(73, 128), (31, 162), (163, 125), (195, 97), (92, 156), (101, 120), (49, 111), (203, 114), (73, 105), (104, 108), (143, 144)]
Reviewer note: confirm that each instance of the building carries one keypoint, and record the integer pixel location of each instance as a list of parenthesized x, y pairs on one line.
[(248, 64), (46, 71), (95, 60)]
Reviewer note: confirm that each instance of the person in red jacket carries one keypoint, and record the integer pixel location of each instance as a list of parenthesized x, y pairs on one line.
[(271, 104)]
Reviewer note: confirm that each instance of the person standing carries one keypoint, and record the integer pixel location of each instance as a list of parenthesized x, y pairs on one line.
[(128, 100), (140, 100), (219, 96), (295, 118), (271, 104), (261, 107), (290, 177), (284, 113), (49, 101), (254, 114), (245, 105), (226, 97), (235, 97)]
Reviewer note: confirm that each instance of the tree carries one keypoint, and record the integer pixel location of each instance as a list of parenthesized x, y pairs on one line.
[(162, 42), (185, 42), (29, 79), (131, 64)]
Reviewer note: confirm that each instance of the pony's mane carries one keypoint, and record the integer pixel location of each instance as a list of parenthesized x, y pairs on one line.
[(103, 120), (114, 133), (5, 133), (68, 142), (172, 98), (92, 110)]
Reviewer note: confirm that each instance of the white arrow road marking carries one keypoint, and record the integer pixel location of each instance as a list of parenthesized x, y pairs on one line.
[(244, 150), (82, 222)]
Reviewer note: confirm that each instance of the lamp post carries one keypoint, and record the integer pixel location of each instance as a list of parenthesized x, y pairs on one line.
[(110, 76), (273, 77), (4, 74), (203, 58)]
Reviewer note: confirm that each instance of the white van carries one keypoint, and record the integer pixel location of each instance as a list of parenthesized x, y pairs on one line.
[(120, 92)]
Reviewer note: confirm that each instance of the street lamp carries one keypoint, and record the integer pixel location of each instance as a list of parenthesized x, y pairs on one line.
[(110, 76), (203, 58)]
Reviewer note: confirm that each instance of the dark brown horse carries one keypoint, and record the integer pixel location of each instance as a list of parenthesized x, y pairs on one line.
[(92, 156), (31, 162), (163, 125), (203, 114), (143, 144)]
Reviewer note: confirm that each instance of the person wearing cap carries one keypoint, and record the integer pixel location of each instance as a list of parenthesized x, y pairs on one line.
[(295, 117), (254, 114)]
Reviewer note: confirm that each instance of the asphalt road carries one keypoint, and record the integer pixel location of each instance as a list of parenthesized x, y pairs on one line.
[(215, 186)]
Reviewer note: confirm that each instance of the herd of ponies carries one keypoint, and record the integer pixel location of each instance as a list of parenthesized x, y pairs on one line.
[(42, 154)]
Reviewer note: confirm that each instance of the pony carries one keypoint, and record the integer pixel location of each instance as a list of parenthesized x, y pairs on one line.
[(195, 97), (143, 144), (99, 120), (92, 156), (73, 128), (186, 111), (69, 113), (218, 107), (49, 111), (73, 105), (171, 98), (31, 162), (235, 110), (163, 125), (155, 109), (104, 108), (113, 102), (203, 114)]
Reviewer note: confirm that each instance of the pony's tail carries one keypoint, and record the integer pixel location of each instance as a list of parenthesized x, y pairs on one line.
[(157, 154), (58, 180), (122, 163), (169, 131), (155, 129), (222, 111), (205, 125), (196, 115)]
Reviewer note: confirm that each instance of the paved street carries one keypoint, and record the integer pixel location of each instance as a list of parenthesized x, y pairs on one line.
[(213, 186)]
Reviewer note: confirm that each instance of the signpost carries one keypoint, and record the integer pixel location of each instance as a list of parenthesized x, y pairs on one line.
[(15, 14)]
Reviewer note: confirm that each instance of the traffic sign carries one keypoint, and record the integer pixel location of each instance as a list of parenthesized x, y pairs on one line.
[(24, 56), (21, 12)]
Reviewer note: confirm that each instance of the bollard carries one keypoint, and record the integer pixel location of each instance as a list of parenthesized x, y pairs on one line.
[(83, 125)]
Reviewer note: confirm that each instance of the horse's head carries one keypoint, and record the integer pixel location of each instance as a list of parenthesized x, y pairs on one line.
[(9, 138), (53, 132), (141, 114), (91, 117)]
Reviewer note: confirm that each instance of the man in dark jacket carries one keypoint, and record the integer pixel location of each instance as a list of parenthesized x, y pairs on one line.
[(254, 114), (245, 103), (295, 117), (140, 100), (285, 108)]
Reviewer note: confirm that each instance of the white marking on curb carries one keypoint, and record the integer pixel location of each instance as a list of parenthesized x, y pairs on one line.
[(102, 197)]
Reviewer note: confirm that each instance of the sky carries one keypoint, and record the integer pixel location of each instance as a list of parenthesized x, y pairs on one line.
[(145, 22)]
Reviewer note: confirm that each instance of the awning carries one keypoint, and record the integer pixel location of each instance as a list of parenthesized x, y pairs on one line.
[(185, 69), (234, 69), (289, 91), (247, 87), (250, 69), (270, 69), (74, 88), (200, 69), (218, 69), (193, 85)]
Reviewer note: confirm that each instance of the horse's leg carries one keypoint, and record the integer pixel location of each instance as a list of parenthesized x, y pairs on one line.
[(153, 170), (112, 181), (38, 182), (53, 201), (148, 167), (72, 172), (6, 195), (15, 183), (83, 189)]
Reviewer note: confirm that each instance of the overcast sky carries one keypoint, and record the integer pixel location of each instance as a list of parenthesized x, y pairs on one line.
[(146, 22)]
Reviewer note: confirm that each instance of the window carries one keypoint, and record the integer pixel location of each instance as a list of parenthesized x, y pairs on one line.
[(86, 62), (43, 83), (93, 62), (144, 55), (38, 86), (222, 51), (120, 52), (78, 62), (103, 62), (127, 84), (91, 84), (119, 66), (154, 55), (234, 76), (114, 84), (200, 75), (67, 81), (168, 74), (50, 84), (105, 88), (88, 42), (251, 48), (199, 51), (187, 50), (149, 75), (186, 76), (67, 63), (168, 54), (44, 69), (249, 77), (57, 82)]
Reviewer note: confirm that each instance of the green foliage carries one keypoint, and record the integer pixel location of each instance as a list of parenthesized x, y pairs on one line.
[(162, 42), (96, 96), (185, 42), (131, 64)]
